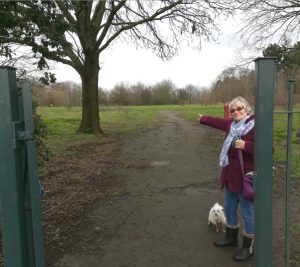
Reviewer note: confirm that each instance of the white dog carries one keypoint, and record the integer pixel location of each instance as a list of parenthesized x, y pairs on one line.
[(217, 217)]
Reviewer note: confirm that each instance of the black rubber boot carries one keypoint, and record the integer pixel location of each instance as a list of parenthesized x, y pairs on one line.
[(246, 251), (230, 240)]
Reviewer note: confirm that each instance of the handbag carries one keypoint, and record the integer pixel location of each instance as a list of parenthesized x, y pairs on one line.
[(248, 189)]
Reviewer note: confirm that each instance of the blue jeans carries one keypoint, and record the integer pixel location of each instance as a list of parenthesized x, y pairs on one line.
[(231, 202)]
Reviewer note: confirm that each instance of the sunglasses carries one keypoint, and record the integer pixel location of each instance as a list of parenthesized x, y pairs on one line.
[(236, 109)]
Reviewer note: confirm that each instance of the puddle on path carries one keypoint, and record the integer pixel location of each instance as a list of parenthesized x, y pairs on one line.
[(159, 163)]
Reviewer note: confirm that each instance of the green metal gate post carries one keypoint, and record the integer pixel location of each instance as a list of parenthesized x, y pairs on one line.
[(21, 220), (13, 216), (32, 187), (292, 85), (263, 160)]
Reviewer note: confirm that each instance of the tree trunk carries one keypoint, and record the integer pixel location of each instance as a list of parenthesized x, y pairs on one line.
[(90, 120)]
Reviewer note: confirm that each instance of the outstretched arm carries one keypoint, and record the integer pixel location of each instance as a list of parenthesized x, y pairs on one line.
[(214, 122)]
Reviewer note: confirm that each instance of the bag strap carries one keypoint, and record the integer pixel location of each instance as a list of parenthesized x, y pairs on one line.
[(241, 161), (241, 156)]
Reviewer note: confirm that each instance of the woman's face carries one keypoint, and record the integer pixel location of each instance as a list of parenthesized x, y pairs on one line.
[(238, 111)]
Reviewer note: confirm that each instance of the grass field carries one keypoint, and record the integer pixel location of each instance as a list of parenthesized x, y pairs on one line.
[(63, 122)]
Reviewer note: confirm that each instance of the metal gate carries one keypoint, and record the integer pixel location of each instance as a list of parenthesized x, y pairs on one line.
[(263, 158), (20, 196)]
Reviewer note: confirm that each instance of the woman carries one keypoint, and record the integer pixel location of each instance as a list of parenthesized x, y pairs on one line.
[(239, 135)]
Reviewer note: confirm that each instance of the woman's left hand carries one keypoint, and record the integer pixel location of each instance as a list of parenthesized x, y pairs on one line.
[(240, 144)]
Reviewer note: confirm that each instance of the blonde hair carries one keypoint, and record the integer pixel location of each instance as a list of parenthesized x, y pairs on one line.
[(244, 102)]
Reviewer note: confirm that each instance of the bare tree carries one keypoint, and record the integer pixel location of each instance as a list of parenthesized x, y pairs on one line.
[(182, 97), (231, 83), (192, 92), (120, 94), (76, 33), (163, 92), (146, 96), (73, 92), (269, 21)]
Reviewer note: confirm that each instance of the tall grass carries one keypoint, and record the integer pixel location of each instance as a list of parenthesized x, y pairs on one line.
[(63, 122)]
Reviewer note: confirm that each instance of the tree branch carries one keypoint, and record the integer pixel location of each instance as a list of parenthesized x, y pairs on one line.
[(130, 25), (98, 14)]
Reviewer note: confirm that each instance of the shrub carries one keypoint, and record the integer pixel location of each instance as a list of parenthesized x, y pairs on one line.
[(41, 131)]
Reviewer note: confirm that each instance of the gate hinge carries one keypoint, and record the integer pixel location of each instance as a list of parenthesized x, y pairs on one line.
[(25, 135), (20, 135)]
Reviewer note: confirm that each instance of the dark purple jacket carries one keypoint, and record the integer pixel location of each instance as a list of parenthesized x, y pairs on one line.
[(231, 175)]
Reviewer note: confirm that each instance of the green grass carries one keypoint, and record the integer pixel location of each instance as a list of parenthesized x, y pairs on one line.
[(122, 120), (280, 141), (63, 122)]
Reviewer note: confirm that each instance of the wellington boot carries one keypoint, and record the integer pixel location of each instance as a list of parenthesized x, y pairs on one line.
[(230, 239), (246, 251)]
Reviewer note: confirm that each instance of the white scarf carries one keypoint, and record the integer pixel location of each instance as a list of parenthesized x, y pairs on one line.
[(236, 129)]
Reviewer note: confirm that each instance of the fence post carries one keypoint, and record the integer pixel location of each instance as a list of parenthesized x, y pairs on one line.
[(292, 85), (263, 160)]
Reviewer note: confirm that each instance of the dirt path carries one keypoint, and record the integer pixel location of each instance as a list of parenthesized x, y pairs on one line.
[(158, 217)]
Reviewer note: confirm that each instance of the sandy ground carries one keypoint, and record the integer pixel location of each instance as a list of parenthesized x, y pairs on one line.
[(159, 215)]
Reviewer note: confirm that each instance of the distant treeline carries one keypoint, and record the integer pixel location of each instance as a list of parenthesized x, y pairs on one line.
[(230, 83)]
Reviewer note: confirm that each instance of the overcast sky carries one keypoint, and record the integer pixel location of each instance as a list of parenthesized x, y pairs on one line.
[(125, 63)]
